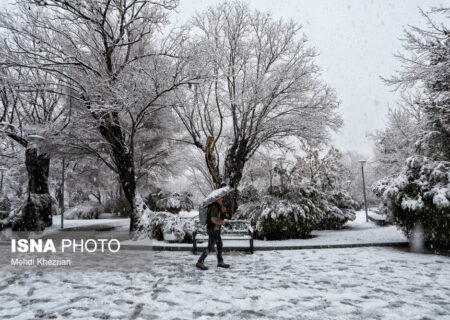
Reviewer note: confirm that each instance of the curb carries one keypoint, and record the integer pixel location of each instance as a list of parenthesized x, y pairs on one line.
[(269, 248), (257, 248), (99, 227)]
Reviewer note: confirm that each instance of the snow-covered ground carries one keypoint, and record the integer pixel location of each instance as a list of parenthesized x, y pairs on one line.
[(354, 283), (345, 283)]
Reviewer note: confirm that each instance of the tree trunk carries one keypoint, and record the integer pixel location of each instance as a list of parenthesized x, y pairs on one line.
[(123, 158), (38, 210), (234, 167), (38, 166), (125, 167), (212, 163)]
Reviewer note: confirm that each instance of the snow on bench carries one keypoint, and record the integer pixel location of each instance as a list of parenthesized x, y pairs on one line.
[(240, 230), (378, 219)]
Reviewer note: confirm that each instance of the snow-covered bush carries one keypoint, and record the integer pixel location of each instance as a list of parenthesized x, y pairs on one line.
[(296, 212), (5, 207), (420, 194), (172, 204), (154, 196), (87, 210), (275, 218), (7, 212), (186, 203), (176, 202), (160, 200), (338, 209), (35, 214), (180, 229)]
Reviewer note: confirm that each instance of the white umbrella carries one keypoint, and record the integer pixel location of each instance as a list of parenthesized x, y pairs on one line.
[(216, 195)]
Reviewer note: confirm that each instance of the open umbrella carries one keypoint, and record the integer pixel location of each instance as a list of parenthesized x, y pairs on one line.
[(216, 195)]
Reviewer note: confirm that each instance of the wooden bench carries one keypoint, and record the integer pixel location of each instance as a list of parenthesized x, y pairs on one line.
[(240, 230)]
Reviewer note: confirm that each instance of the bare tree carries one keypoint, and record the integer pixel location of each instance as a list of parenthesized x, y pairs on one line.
[(113, 64), (259, 86), (199, 175), (324, 172), (396, 142), (260, 170)]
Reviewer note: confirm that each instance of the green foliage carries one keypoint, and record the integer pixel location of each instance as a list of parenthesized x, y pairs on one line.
[(277, 219), (295, 212), (338, 209), (419, 195)]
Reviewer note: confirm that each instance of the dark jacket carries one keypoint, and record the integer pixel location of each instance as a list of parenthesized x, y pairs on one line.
[(213, 211)]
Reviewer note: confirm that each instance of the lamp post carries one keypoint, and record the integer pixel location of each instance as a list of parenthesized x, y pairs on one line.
[(362, 162), (62, 194), (2, 170)]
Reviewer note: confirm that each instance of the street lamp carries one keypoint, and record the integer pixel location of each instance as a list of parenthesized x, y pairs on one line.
[(362, 162), (62, 193), (2, 170)]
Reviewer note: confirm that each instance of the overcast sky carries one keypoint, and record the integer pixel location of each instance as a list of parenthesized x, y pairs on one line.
[(356, 40)]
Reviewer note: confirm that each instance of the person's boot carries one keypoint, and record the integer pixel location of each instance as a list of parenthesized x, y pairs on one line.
[(201, 266), (221, 264)]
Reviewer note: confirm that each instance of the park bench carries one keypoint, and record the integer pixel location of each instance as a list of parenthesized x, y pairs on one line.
[(379, 219), (240, 230)]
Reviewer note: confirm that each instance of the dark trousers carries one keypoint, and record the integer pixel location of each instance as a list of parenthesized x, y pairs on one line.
[(213, 240)]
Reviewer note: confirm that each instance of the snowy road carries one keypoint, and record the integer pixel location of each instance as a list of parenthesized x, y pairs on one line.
[(356, 283)]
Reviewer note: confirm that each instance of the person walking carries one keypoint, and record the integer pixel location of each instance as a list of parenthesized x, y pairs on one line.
[(216, 211)]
